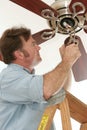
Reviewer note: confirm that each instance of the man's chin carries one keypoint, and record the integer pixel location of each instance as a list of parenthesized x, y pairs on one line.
[(37, 62)]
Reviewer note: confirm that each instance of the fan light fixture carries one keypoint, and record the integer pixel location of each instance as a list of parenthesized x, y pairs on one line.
[(66, 22)]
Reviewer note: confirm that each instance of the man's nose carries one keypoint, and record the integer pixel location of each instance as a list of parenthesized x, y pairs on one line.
[(38, 47)]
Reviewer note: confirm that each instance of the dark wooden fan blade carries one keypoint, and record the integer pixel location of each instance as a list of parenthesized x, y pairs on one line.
[(85, 30), (79, 69), (37, 36), (0, 58), (36, 6), (78, 8)]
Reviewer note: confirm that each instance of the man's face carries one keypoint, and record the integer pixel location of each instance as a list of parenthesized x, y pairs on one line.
[(31, 52)]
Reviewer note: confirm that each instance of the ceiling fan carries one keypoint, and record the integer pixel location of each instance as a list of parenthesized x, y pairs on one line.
[(66, 17)]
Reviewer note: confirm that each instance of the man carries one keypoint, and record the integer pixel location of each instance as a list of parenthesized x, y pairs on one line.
[(24, 95)]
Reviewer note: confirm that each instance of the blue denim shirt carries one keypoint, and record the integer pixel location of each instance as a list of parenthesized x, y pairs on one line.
[(21, 99)]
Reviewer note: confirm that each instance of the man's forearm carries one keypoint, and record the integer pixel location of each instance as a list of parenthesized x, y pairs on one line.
[(55, 79)]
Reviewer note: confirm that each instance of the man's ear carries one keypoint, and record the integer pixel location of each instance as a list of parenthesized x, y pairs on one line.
[(18, 54)]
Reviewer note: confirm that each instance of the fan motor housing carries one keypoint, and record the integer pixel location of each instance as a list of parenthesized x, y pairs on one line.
[(65, 17)]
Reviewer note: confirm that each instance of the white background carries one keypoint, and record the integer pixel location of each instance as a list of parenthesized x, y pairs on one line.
[(14, 15)]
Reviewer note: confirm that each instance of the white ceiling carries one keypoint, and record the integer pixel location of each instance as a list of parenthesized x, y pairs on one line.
[(14, 15)]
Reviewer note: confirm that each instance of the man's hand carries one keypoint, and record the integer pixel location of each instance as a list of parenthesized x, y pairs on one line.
[(70, 53)]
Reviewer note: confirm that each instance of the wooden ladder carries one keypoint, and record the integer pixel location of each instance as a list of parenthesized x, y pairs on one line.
[(71, 107)]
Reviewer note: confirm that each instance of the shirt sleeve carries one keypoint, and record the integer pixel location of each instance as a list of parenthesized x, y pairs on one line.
[(22, 88)]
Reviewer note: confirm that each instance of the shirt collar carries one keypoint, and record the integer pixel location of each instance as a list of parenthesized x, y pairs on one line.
[(21, 67)]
